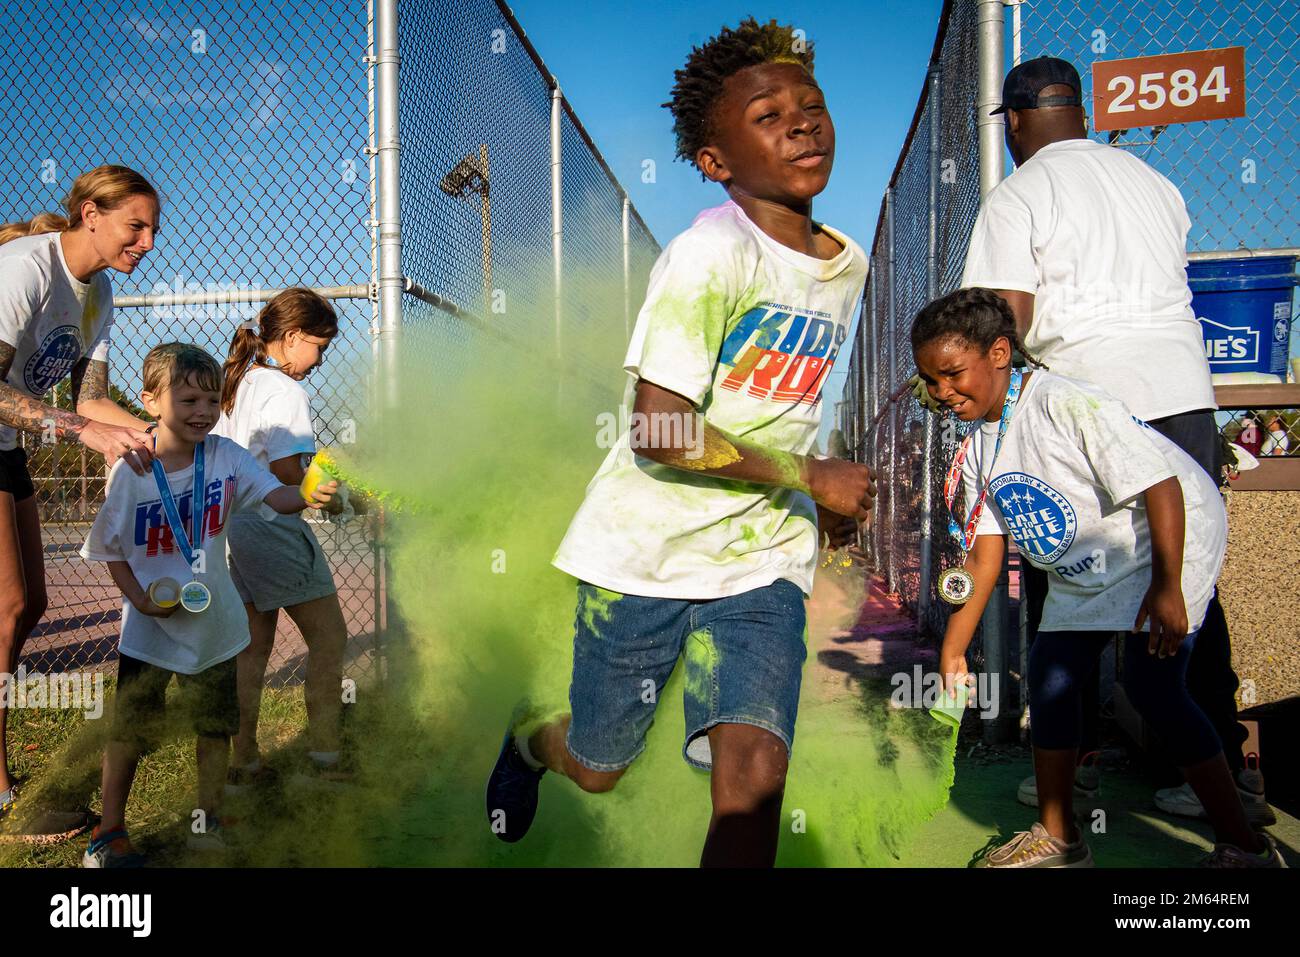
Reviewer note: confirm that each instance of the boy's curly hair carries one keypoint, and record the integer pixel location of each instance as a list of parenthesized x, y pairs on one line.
[(699, 83)]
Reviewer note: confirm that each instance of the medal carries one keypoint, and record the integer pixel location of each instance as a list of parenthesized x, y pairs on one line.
[(956, 585), (194, 595)]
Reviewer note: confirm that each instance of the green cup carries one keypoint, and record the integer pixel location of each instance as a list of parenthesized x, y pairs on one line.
[(951, 707)]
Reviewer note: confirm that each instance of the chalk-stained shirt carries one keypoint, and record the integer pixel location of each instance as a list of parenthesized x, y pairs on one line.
[(748, 330), (1067, 487)]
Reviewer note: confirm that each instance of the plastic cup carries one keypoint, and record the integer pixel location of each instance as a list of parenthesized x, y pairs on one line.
[(316, 474), (951, 707), (165, 592)]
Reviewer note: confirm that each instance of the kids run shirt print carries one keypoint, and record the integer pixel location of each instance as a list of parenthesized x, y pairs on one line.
[(132, 527), (49, 316), (748, 330), (1067, 487)]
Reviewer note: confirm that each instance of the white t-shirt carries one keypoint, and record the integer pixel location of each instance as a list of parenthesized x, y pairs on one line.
[(1275, 443), (1099, 238), (748, 330), (50, 318), (132, 527), (1067, 487), (272, 419)]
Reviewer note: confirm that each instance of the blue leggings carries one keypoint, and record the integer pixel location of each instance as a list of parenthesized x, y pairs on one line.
[(1060, 664)]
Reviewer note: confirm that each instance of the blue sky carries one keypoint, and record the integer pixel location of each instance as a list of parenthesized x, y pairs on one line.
[(615, 64)]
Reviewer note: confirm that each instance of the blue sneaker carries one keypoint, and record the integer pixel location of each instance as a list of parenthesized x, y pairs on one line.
[(111, 849), (512, 789)]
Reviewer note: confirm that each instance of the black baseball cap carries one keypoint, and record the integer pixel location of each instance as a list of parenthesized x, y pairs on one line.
[(1021, 88)]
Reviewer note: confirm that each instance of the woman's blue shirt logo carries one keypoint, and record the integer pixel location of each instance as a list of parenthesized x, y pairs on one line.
[(53, 360)]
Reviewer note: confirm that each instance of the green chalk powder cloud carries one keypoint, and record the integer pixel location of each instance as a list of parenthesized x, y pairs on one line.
[(496, 445)]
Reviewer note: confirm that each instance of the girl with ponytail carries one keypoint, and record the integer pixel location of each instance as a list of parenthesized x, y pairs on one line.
[(56, 319), (1131, 532), (279, 563)]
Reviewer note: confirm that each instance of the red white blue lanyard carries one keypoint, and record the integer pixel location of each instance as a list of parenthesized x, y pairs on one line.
[(196, 506), (966, 536)]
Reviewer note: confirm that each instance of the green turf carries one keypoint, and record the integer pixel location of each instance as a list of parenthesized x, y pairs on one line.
[(1132, 833), (380, 823)]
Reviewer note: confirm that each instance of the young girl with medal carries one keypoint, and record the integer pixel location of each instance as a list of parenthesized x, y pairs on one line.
[(1129, 528), (163, 536)]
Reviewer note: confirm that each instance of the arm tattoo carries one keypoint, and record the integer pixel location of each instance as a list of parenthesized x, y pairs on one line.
[(89, 381), (32, 415)]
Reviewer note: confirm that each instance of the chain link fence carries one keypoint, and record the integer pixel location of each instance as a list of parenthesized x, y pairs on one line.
[(917, 254), (1239, 179), (258, 123)]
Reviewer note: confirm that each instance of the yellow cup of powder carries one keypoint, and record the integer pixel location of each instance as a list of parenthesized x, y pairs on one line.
[(165, 592), (321, 469)]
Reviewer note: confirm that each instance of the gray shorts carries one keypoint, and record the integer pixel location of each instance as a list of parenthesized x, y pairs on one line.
[(276, 563)]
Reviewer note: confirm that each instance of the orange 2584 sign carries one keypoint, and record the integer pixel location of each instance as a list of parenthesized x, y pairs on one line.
[(1169, 88)]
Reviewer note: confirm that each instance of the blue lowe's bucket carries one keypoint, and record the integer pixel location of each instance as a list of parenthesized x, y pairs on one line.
[(1244, 307)]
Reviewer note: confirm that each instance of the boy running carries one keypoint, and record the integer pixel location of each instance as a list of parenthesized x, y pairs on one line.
[(699, 534)]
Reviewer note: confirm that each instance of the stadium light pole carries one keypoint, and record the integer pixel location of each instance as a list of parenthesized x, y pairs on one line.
[(471, 175)]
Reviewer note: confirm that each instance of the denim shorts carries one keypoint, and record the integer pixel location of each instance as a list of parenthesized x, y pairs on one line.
[(744, 663)]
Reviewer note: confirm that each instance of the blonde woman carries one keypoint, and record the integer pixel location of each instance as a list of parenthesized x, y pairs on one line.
[(56, 318)]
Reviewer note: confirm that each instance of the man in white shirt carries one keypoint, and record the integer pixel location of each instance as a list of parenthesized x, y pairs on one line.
[(1087, 244), (1276, 442)]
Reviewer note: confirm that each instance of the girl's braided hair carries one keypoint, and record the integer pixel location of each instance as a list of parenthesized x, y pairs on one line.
[(700, 82), (978, 316)]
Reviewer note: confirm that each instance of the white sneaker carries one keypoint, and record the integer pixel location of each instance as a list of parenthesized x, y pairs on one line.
[(1183, 801), (213, 838), (1087, 785)]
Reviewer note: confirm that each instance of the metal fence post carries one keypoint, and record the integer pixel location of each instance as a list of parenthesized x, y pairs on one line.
[(557, 214), (991, 65), (891, 574), (372, 159), (996, 619), (873, 407), (627, 271), (391, 282), (928, 431), (390, 279), (864, 382)]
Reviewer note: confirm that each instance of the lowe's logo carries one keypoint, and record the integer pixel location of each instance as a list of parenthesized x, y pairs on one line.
[(1228, 345)]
